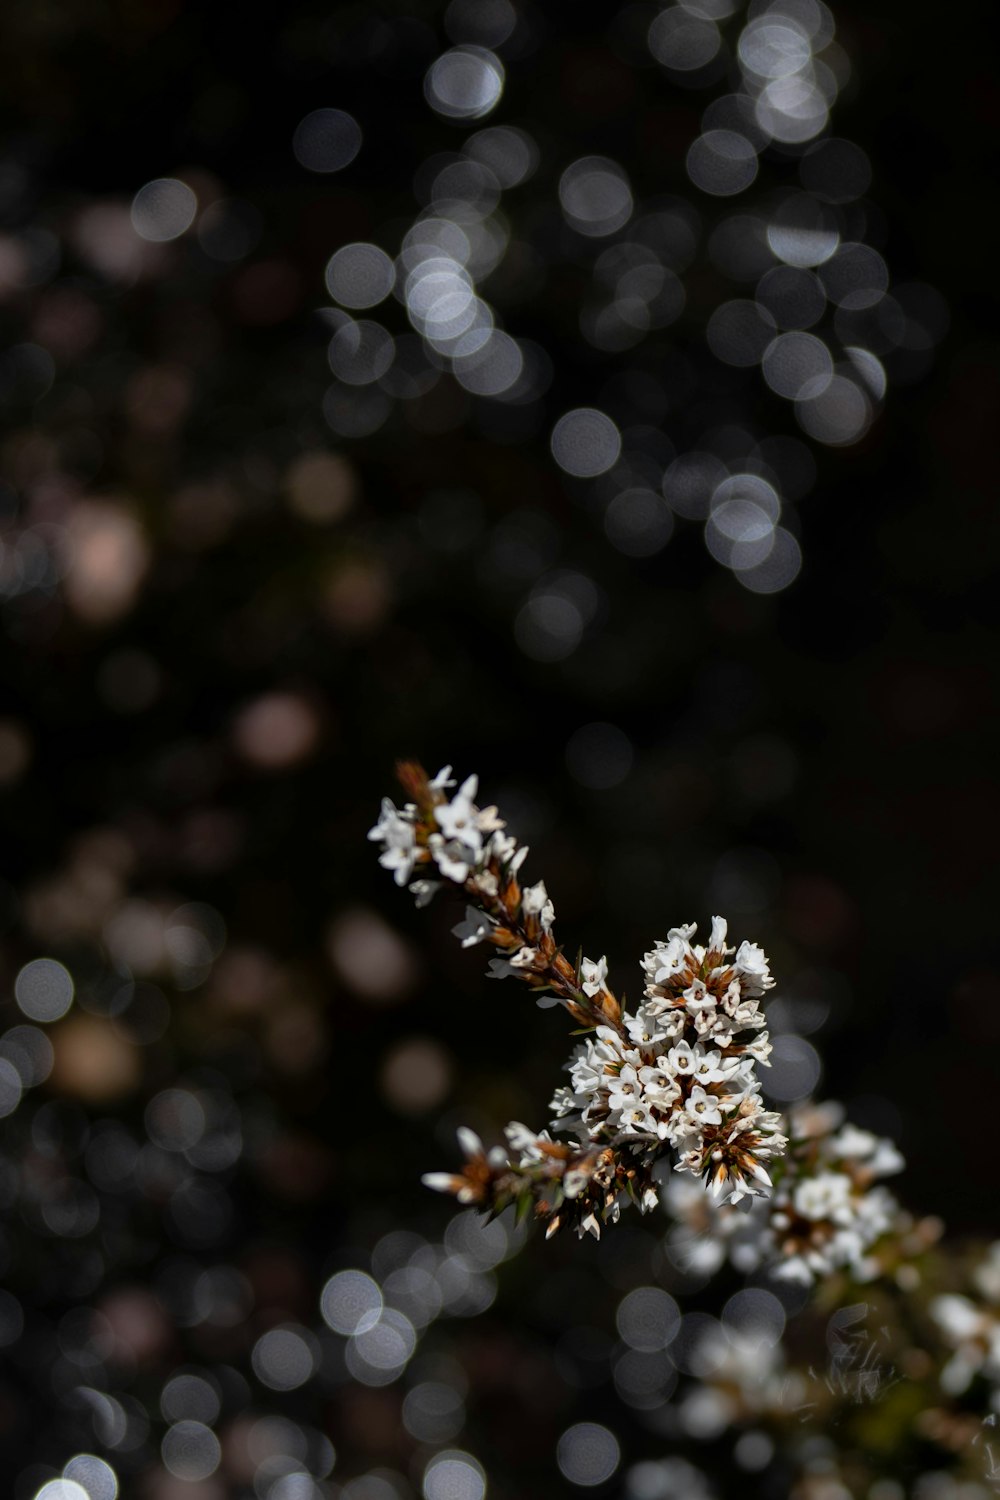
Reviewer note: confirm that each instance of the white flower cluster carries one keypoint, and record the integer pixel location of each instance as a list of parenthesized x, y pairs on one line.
[(831, 1216), (972, 1329), (463, 841), (535, 1149), (826, 1212), (683, 1072), (536, 906), (741, 1377)]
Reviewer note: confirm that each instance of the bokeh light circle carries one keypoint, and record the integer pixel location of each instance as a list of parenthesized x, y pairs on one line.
[(351, 1302), (96, 1476), (163, 210), (283, 1359), (588, 1454), (837, 415), (722, 163), (465, 83), (44, 989), (11, 1088), (190, 1451), (453, 1475), (585, 442), (754, 1316), (648, 1318), (327, 140), (595, 196), (683, 40), (795, 1068), (360, 275)]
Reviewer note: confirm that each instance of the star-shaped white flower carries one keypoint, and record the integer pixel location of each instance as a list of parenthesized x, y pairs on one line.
[(593, 975)]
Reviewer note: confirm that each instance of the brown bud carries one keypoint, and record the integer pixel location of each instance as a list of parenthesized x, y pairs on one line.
[(413, 779)]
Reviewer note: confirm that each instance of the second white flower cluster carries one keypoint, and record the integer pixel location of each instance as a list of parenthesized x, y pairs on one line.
[(682, 1070)]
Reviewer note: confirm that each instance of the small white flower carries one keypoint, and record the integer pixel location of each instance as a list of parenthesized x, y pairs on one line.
[(732, 999), (703, 1107), (526, 1141), (588, 1063), (637, 1119), (566, 1102), (717, 936), (535, 903), (747, 1016), (710, 1067), (880, 1156), (574, 1181), (759, 1049), (457, 818), (744, 1187), (586, 1070), (488, 820), (740, 1084), (524, 958), (441, 1182), (671, 957), (608, 1037), (670, 1123), (455, 860), (751, 965), (400, 861), (671, 1018), (715, 1029), (825, 1196), (660, 1087), (697, 998), (793, 1268), (593, 975), (397, 834), (852, 1141), (624, 1090), (647, 1028), (486, 883), (470, 1142), (691, 1156), (959, 1318), (682, 1058), (886, 1159), (477, 925), (458, 845), (389, 824), (442, 780), (424, 891), (501, 847)]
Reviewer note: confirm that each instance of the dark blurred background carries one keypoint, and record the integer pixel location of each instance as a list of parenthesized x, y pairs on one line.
[(233, 593)]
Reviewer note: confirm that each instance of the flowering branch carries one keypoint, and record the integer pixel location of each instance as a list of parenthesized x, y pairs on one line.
[(467, 848), (673, 1084)]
